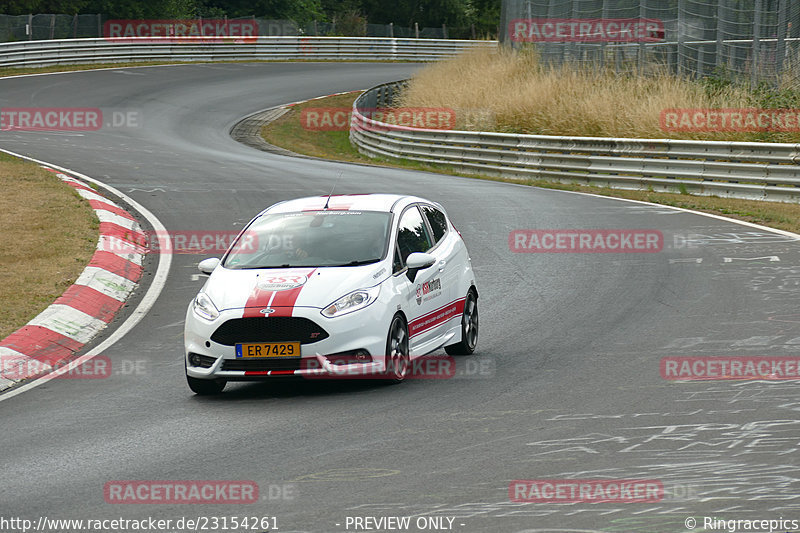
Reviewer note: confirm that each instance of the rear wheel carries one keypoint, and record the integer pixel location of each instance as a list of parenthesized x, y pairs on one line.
[(469, 328), (397, 357), (206, 387)]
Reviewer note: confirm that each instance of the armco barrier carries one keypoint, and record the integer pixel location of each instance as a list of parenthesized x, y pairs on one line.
[(762, 171), (75, 51)]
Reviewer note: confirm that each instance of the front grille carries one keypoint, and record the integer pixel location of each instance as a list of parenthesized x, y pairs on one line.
[(275, 329), (261, 365)]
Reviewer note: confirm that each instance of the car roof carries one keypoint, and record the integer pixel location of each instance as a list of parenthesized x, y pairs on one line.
[(347, 202)]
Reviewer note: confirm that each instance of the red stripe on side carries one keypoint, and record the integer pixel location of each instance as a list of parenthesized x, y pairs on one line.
[(90, 301), (437, 317), (117, 265), (42, 344), (97, 205)]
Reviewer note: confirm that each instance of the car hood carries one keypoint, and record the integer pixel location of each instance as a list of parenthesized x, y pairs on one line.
[(289, 287)]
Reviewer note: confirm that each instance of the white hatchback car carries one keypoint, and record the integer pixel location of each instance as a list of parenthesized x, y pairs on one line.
[(321, 286)]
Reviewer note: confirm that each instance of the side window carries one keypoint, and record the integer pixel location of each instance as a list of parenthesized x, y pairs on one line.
[(437, 221), (412, 234)]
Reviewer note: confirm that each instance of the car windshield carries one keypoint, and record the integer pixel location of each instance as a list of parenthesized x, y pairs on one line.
[(312, 239)]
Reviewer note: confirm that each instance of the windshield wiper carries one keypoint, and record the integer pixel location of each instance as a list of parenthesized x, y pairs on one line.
[(287, 265), (362, 262)]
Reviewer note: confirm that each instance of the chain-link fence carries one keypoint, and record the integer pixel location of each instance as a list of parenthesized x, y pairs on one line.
[(43, 27), (749, 39)]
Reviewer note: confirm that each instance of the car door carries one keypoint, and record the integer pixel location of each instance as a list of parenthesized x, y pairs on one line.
[(425, 293), (449, 265)]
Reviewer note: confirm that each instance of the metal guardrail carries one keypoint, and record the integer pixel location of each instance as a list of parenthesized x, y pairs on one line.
[(762, 171), (74, 51)]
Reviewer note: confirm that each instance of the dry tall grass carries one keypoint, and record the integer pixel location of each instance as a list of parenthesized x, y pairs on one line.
[(48, 235), (512, 92)]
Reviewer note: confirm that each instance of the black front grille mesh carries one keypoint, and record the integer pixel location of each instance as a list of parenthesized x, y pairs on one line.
[(263, 329), (261, 365)]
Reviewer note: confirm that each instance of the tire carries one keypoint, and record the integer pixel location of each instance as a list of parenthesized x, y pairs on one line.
[(469, 328), (397, 357), (206, 387)]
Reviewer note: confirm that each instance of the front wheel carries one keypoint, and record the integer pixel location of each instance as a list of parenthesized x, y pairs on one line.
[(397, 357), (205, 387), (469, 328)]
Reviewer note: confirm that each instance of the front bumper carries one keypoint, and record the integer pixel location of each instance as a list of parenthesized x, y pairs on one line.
[(363, 330)]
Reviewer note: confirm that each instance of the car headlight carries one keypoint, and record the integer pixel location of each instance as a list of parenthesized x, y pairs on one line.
[(204, 307), (352, 302)]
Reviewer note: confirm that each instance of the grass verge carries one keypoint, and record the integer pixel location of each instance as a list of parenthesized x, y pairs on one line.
[(49, 235), (289, 132)]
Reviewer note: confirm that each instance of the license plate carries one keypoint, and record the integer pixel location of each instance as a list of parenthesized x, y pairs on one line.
[(268, 349)]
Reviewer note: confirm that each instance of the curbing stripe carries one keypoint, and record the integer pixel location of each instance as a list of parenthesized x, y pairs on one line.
[(113, 218), (125, 249), (135, 236), (91, 195), (106, 282), (69, 322), (117, 264), (89, 305), (42, 344), (97, 205), (122, 248), (91, 302)]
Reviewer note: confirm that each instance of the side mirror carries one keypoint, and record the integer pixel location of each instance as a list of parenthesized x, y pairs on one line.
[(207, 266), (418, 261)]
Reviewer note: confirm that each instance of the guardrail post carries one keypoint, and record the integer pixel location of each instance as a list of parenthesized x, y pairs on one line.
[(755, 64), (780, 46), (640, 54), (681, 36), (720, 43)]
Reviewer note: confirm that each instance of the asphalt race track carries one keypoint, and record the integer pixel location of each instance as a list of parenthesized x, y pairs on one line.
[(565, 384)]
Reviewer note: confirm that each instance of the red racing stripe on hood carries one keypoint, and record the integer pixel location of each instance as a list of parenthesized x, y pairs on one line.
[(282, 301)]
